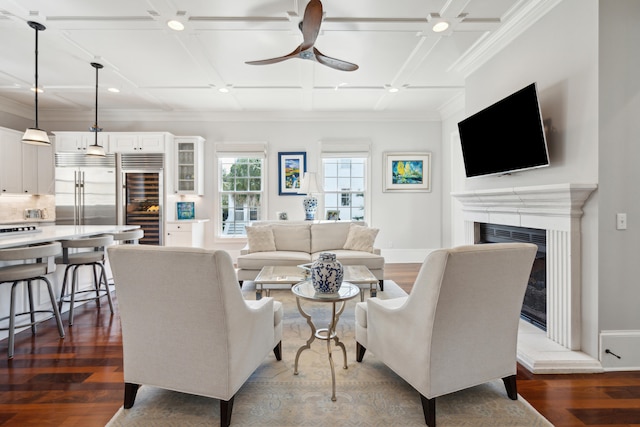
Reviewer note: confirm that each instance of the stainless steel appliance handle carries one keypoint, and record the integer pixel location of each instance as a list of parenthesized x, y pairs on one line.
[(82, 198), (76, 200)]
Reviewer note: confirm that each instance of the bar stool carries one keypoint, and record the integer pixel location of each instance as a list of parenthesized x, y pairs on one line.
[(93, 257), (128, 237), (36, 265)]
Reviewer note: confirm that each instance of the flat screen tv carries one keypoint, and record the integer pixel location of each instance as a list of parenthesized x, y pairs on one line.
[(505, 137)]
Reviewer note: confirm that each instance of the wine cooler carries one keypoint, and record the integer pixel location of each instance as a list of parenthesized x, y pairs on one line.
[(142, 195)]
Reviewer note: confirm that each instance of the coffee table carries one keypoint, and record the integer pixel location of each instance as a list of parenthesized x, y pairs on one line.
[(283, 277), (304, 290)]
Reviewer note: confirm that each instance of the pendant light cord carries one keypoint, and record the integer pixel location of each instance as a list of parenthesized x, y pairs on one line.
[(96, 129), (96, 125), (36, 82)]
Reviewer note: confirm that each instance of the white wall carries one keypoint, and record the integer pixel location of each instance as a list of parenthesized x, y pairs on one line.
[(410, 223), (560, 53), (619, 153)]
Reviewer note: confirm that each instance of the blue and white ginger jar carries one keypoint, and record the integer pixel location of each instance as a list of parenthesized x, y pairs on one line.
[(327, 274)]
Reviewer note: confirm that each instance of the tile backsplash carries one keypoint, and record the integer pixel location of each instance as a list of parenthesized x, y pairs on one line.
[(12, 207)]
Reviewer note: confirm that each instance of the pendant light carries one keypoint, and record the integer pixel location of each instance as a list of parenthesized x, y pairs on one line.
[(95, 149), (34, 135)]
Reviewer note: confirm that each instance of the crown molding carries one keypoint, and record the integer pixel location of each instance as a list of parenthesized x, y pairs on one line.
[(490, 45), (239, 116)]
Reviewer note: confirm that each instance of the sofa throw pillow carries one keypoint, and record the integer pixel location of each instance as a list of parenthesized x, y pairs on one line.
[(260, 239), (361, 238)]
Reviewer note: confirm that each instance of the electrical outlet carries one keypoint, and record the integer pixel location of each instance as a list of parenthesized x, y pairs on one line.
[(621, 221)]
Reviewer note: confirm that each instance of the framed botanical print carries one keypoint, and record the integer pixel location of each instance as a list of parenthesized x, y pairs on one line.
[(291, 168), (407, 172)]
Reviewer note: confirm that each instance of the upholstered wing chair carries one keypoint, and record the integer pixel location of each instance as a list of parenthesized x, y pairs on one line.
[(185, 324), (458, 327)]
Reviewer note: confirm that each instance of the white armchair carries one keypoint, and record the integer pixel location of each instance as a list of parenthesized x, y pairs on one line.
[(185, 324), (458, 327)]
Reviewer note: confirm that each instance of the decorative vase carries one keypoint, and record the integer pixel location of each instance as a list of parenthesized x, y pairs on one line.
[(310, 205), (327, 274)]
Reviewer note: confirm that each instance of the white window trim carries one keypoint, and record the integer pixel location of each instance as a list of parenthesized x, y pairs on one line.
[(350, 148), (238, 149)]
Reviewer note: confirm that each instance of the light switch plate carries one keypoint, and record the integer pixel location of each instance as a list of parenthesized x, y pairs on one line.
[(621, 221)]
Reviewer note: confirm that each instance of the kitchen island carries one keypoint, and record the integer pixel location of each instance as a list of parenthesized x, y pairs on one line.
[(44, 234), (53, 233)]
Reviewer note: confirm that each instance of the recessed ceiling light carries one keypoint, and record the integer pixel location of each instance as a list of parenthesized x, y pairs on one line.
[(393, 89), (114, 90), (175, 25), (39, 90), (440, 27), (223, 90)]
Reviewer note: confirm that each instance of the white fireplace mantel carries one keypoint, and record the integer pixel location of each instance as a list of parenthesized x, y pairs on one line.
[(557, 209), (554, 207)]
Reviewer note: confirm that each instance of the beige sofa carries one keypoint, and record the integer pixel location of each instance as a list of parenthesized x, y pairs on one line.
[(290, 243)]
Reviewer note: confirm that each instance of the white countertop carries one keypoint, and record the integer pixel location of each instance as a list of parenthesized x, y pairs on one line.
[(185, 221), (52, 233)]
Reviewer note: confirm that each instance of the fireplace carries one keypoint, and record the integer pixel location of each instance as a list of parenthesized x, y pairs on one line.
[(556, 209), (534, 306)]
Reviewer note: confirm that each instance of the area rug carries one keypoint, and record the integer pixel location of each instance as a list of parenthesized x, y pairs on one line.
[(368, 393)]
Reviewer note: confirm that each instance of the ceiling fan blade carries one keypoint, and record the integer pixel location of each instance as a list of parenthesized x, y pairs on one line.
[(310, 24), (293, 54), (338, 64)]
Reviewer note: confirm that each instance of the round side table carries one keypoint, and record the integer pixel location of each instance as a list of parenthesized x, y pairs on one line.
[(304, 290)]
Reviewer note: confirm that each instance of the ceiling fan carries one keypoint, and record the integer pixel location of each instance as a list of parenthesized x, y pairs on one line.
[(310, 28)]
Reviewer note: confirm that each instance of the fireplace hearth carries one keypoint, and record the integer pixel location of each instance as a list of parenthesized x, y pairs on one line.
[(534, 307)]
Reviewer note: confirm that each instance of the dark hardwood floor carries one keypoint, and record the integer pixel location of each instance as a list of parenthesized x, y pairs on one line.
[(77, 381)]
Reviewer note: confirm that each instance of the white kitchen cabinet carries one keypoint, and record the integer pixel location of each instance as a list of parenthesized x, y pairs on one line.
[(79, 141), (138, 142), (185, 233), (37, 170), (10, 161), (189, 165), (25, 168)]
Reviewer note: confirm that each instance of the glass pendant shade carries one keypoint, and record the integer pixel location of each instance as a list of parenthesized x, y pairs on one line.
[(34, 135)]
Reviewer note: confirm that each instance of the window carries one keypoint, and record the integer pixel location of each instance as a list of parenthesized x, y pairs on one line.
[(241, 192), (344, 185)]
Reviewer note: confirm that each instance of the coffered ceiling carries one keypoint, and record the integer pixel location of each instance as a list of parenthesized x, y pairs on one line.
[(159, 71)]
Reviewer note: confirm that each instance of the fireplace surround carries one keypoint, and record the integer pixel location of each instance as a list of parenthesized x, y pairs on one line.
[(557, 209)]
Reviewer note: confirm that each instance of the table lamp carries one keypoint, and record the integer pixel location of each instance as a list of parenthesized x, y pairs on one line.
[(309, 186)]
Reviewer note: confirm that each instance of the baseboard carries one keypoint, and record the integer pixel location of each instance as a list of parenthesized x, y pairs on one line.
[(624, 350)]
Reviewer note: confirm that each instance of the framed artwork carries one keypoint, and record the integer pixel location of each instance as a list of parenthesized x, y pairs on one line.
[(333, 215), (186, 210), (408, 172), (291, 167)]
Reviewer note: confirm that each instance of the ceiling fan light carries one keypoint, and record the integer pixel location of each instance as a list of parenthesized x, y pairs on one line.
[(35, 136), (96, 151), (440, 27)]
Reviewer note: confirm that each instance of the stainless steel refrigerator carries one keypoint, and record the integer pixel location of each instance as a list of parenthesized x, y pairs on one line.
[(123, 189), (85, 189)]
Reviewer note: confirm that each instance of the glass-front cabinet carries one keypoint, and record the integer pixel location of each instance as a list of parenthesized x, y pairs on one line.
[(189, 160)]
